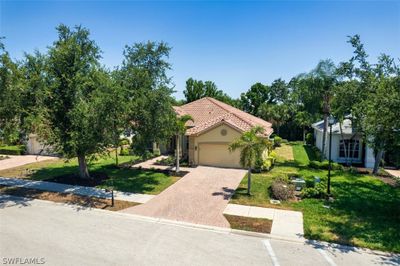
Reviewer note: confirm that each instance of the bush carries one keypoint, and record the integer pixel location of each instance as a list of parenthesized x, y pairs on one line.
[(124, 152), (316, 192), (310, 138), (13, 150), (124, 142), (147, 155), (282, 190), (277, 141), (267, 164), (325, 165)]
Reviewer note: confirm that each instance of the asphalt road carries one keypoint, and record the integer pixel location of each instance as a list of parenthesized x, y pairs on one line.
[(68, 235)]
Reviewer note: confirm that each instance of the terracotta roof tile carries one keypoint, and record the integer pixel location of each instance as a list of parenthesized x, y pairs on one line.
[(208, 112)]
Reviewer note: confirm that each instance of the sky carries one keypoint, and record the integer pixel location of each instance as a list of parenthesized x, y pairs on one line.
[(233, 43)]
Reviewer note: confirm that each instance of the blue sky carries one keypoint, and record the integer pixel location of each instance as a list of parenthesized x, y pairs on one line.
[(234, 44)]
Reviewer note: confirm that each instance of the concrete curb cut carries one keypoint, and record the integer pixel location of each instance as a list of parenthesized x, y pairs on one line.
[(219, 229)]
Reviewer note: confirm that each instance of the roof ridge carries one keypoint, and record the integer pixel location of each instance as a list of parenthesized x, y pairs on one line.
[(221, 104)]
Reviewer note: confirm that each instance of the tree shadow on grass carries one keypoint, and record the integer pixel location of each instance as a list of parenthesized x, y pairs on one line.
[(121, 179), (369, 215)]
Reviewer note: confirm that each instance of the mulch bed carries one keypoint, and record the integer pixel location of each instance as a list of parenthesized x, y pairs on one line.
[(87, 202), (249, 224), (95, 179)]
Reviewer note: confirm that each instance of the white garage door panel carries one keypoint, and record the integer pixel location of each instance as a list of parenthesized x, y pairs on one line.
[(217, 154)]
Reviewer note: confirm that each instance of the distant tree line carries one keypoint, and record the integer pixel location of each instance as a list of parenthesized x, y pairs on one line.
[(366, 93), (81, 108)]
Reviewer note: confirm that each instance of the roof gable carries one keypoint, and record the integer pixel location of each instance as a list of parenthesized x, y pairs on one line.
[(207, 112)]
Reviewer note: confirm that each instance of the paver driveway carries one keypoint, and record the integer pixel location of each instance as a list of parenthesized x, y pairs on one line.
[(199, 197)]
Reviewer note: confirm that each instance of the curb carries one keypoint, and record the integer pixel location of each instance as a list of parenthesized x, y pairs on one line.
[(219, 229)]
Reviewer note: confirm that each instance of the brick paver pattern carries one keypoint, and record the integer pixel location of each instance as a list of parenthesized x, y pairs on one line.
[(199, 197)]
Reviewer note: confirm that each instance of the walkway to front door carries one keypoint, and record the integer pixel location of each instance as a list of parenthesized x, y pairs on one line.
[(199, 197)]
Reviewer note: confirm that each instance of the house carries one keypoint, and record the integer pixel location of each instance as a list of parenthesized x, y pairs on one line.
[(356, 150), (35, 147), (215, 125)]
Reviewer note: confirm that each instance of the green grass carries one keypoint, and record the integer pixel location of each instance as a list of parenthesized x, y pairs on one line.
[(12, 150), (365, 211), (123, 179)]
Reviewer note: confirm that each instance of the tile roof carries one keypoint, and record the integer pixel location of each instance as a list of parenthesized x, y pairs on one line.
[(208, 112)]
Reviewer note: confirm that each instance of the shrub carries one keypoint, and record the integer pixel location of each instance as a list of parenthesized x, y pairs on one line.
[(258, 166), (124, 152), (147, 155), (13, 150), (267, 165), (282, 190), (277, 141), (317, 192), (310, 138), (324, 165), (124, 142), (156, 152)]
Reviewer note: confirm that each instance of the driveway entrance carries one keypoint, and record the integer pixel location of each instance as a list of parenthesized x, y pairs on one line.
[(199, 197)]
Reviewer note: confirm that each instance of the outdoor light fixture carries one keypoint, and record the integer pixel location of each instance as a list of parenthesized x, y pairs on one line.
[(331, 122)]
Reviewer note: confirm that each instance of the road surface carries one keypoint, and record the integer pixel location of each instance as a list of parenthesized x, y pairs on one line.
[(69, 235)]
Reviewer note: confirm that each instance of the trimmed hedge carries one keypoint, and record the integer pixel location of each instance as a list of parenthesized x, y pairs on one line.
[(12, 150), (324, 165)]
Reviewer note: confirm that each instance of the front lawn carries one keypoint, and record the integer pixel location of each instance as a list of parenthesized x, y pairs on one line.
[(122, 179), (365, 211)]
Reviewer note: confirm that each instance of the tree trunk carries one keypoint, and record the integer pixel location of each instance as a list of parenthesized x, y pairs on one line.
[(83, 169), (249, 181), (324, 134), (177, 153), (378, 159), (116, 155), (304, 135)]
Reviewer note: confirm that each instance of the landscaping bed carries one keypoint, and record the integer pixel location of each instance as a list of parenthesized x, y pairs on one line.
[(365, 211), (87, 202), (249, 224)]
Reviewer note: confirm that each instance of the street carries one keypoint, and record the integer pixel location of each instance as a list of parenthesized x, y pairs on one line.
[(70, 235)]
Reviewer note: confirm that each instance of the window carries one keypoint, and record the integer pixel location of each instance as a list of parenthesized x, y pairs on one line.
[(353, 148)]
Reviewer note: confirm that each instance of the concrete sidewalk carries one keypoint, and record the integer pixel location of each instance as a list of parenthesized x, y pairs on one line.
[(18, 160), (285, 224), (78, 190)]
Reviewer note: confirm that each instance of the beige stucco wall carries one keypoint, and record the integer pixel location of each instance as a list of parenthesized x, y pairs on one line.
[(213, 136), (34, 146)]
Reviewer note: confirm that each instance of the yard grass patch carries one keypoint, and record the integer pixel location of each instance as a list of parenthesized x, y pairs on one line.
[(121, 179), (12, 150), (249, 224), (365, 211), (285, 151)]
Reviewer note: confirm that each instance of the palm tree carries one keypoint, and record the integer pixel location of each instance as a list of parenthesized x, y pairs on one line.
[(251, 144), (180, 130)]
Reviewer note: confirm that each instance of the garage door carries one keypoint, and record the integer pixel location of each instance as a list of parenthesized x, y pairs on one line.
[(217, 154)]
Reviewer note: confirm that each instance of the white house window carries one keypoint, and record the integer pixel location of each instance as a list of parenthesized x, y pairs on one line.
[(353, 148)]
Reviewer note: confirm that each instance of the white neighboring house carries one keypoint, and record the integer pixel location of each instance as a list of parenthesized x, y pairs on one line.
[(358, 152), (35, 147)]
